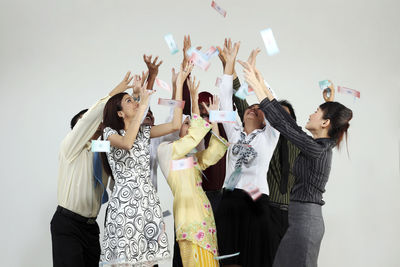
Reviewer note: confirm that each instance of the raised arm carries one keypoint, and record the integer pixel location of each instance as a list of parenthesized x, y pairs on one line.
[(331, 91), (278, 117), (126, 142), (85, 128), (153, 70), (196, 132), (194, 94), (175, 124), (226, 88)]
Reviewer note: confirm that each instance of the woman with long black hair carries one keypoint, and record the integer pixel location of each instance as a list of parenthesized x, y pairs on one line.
[(328, 125)]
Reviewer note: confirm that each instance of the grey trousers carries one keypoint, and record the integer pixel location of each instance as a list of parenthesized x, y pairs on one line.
[(300, 245)]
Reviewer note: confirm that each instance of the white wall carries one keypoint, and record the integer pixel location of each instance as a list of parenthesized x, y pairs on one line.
[(57, 57)]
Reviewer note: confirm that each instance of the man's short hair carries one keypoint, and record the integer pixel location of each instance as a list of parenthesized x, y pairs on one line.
[(77, 117)]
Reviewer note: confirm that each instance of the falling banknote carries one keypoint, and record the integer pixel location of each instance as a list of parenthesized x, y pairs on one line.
[(253, 191), (269, 41), (171, 43), (211, 52), (199, 60), (171, 103), (219, 9), (182, 164), (100, 146), (222, 116), (162, 84), (345, 90)]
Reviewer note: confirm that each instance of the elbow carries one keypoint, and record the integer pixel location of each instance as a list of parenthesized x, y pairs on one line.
[(176, 127), (126, 146)]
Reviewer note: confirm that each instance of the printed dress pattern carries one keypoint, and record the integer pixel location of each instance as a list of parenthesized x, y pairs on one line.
[(134, 233)]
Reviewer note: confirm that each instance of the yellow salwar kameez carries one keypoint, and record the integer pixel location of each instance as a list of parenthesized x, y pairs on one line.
[(194, 219)]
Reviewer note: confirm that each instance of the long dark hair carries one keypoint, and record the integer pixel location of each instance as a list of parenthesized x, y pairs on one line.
[(339, 117), (112, 120)]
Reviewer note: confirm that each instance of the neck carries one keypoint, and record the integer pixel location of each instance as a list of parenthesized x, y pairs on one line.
[(250, 126), (320, 134), (127, 123)]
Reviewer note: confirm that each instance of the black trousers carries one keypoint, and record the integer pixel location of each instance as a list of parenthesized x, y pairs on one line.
[(280, 224), (75, 243)]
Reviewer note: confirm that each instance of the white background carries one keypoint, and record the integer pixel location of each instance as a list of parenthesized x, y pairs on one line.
[(58, 57)]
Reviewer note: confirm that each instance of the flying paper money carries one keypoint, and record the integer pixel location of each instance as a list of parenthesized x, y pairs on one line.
[(171, 103), (345, 90), (222, 116), (163, 84), (211, 52), (199, 60), (269, 41), (253, 191), (227, 256), (324, 84), (244, 91), (218, 8), (182, 164), (100, 146), (171, 43)]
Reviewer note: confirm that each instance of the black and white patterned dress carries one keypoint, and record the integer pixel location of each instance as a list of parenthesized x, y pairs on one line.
[(134, 233)]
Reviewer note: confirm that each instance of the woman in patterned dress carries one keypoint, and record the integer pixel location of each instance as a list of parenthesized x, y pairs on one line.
[(194, 220), (134, 233)]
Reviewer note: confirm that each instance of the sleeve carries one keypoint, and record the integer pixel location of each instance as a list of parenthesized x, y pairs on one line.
[(197, 130), (107, 132), (164, 152), (285, 124), (226, 91), (84, 129), (210, 156), (241, 104)]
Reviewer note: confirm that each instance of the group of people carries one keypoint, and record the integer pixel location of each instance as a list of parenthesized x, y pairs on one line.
[(217, 218)]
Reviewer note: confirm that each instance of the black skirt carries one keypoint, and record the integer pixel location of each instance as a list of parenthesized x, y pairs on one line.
[(245, 226)]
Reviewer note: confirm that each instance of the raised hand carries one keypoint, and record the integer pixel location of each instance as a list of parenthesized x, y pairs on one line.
[(183, 74), (214, 103), (138, 82), (222, 53), (152, 66), (329, 91), (187, 43), (145, 95), (123, 85), (252, 57), (230, 56), (193, 88)]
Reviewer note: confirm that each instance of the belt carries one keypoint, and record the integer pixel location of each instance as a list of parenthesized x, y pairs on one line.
[(279, 206), (76, 216)]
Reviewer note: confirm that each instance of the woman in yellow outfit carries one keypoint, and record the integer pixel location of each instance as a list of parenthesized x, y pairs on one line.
[(194, 219)]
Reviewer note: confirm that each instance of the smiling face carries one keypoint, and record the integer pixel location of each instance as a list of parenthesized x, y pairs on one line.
[(184, 128), (316, 121), (129, 107), (253, 113), (149, 120)]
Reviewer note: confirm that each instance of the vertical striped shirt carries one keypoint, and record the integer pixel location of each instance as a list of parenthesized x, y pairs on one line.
[(313, 165), (274, 174)]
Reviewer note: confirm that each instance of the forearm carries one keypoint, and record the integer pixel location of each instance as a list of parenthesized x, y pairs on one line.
[(195, 104), (150, 80), (133, 128)]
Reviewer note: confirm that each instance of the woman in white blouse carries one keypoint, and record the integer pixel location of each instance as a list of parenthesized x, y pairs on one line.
[(243, 223)]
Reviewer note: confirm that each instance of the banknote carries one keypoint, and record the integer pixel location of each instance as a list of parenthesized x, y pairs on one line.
[(211, 52), (218, 82), (269, 41), (345, 90), (182, 164), (100, 146), (222, 116), (219, 9), (324, 84), (171, 43), (171, 102), (252, 190), (163, 85), (226, 256), (199, 60)]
